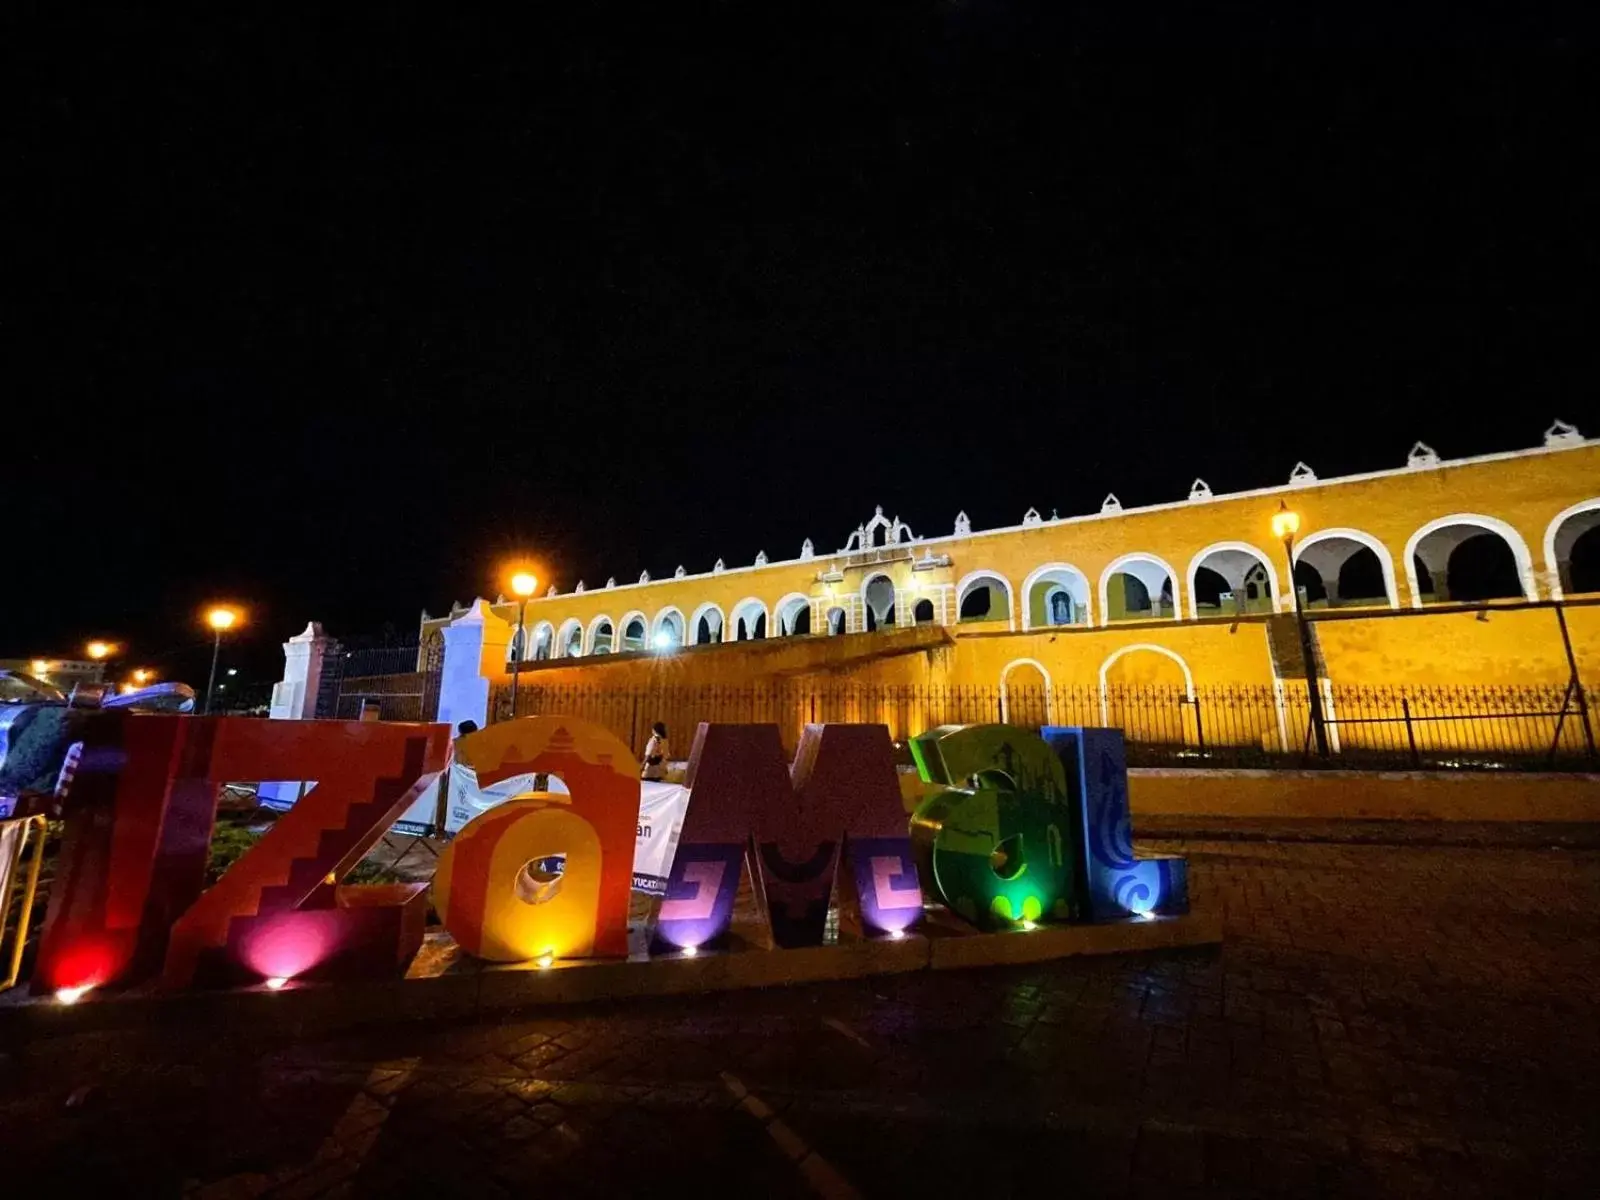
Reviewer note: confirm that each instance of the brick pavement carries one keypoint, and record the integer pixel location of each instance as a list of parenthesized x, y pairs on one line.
[(1386, 1018)]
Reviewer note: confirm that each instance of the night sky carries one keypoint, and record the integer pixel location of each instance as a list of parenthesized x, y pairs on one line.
[(331, 319)]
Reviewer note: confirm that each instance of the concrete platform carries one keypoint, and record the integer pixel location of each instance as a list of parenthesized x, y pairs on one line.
[(445, 984)]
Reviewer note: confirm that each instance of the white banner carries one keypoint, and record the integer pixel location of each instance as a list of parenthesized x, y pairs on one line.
[(661, 809)]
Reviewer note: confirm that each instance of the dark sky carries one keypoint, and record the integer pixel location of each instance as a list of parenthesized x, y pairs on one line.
[(331, 318)]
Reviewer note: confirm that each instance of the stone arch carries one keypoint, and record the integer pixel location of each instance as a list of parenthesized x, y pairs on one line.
[(1152, 573), (1022, 699), (747, 620), (1236, 563), (1329, 551), (877, 601), (668, 629), (1435, 543), (602, 636), (793, 614), (634, 630), (1560, 539), (543, 642), (923, 614), (569, 639), (707, 625), (838, 621), (1041, 592), (1144, 722), (995, 583)]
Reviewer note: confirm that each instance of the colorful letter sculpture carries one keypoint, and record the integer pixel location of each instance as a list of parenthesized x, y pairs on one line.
[(128, 895), (487, 888), (994, 844), (1116, 880), (842, 792)]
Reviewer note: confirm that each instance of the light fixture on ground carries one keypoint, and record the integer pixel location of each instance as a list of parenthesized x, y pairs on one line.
[(221, 619), (71, 995), (276, 984), (1285, 524), (523, 585)]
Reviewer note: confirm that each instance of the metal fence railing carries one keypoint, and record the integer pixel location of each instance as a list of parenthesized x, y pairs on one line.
[(1399, 727)]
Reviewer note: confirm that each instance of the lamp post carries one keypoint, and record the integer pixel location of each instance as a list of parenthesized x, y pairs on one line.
[(220, 619), (523, 585), (1285, 524)]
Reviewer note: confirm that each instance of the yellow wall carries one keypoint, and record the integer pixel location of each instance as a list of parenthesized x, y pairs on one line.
[(1447, 646)]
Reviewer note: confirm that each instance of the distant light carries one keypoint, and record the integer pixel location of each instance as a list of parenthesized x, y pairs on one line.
[(664, 640), (41, 666), (71, 995), (276, 983), (99, 650), (545, 960), (126, 689), (143, 675), (233, 670), (690, 951)]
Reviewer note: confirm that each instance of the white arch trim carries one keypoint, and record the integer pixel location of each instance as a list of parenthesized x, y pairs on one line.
[(1385, 559), (662, 617), (868, 582), (973, 577), (564, 636), (628, 618), (1255, 552), (749, 608), (794, 600), (1519, 550), (1551, 530), (593, 631), (1062, 568), (1117, 564), (531, 634), (1049, 688), (1188, 675), (694, 623)]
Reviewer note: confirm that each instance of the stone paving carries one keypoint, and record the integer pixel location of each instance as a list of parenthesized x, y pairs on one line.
[(1406, 1017)]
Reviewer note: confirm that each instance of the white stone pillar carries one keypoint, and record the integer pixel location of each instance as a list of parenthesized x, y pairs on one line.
[(475, 645), (294, 698)]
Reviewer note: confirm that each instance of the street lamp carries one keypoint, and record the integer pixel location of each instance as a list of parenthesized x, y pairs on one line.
[(143, 675), (221, 620), (99, 651), (1285, 524), (523, 585)]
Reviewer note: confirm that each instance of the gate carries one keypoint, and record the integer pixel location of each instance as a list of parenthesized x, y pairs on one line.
[(397, 683)]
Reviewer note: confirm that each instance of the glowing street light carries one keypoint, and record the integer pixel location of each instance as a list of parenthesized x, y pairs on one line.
[(99, 651), (41, 667), (221, 619), (143, 675), (523, 585), (1285, 524)]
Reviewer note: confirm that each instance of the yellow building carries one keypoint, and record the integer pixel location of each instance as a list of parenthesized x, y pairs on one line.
[(1435, 572)]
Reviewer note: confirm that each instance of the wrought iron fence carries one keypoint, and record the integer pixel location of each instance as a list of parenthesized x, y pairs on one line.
[(390, 683), (1399, 727)]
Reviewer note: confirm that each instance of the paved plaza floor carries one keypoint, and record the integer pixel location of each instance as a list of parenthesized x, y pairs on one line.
[(1407, 1012)]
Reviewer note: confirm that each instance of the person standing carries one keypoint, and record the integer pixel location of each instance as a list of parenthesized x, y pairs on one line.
[(657, 752)]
